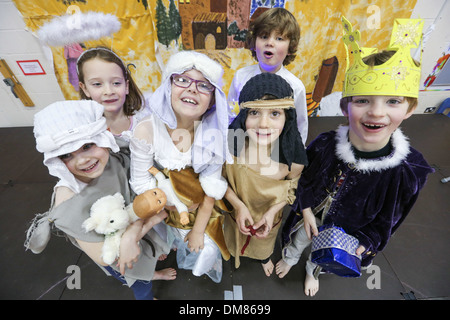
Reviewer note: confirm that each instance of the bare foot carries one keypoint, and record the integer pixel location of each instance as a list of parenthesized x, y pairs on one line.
[(268, 267), (311, 285), (165, 274), (282, 268)]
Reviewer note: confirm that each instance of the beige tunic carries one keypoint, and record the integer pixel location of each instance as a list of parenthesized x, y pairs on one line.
[(259, 193), (188, 189)]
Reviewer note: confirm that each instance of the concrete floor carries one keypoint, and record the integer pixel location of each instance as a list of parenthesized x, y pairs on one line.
[(414, 265)]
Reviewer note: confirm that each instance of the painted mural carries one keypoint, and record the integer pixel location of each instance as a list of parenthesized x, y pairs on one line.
[(152, 30)]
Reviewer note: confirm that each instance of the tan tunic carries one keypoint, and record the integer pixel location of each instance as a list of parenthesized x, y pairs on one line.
[(188, 189), (259, 193)]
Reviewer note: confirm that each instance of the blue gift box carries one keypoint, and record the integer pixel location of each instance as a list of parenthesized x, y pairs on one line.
[(335, 251)]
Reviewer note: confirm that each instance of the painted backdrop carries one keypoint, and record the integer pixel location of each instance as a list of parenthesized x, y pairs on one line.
[(152, 30)]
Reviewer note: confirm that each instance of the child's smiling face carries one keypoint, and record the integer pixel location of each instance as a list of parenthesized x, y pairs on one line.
[(190, 103), (86, 163), (373, 119), (264, 126), (104, 82)]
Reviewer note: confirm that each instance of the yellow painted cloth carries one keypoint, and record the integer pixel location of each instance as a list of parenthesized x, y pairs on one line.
[(137, 41)]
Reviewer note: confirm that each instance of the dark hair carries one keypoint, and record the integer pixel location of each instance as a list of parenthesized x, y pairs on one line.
[(134, 98), (278, 19)]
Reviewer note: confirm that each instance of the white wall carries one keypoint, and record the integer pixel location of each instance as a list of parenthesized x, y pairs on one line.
[(18, 44), (437, 13)]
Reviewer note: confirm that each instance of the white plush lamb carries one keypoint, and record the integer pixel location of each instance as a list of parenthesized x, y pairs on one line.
[(110, 216)]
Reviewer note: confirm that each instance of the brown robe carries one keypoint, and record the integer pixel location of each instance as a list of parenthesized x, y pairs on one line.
[(259, 193), (187, 186)]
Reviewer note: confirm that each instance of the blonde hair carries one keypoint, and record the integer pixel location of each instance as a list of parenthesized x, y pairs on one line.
[(278, 19)]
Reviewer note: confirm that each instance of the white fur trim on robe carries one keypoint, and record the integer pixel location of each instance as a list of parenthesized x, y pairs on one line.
[(400, 145)]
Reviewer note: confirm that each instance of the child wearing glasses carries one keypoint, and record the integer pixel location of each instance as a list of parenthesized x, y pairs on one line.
[(185, 138)]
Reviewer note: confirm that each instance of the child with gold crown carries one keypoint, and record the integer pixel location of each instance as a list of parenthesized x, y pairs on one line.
[(364, 177)]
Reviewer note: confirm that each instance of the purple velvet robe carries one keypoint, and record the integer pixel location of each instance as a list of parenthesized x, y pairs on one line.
[(374, 196)]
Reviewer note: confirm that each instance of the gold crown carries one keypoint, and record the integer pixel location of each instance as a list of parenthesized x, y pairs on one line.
[(399, 76)]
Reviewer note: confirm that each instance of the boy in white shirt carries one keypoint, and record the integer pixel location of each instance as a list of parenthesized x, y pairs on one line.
[(273, 40)]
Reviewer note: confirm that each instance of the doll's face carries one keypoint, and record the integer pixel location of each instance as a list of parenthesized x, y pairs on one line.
[(86, 163), (271, 51), (104, 82), (189, 103), (264, 126), (156, 199), (149, 203), (373, 119)]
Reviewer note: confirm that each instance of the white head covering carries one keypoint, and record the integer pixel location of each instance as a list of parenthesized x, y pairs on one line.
[(64, 127), (209, 150)]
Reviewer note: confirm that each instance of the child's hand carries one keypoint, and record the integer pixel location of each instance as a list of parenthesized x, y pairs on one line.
[(264, 225), (129, 247), (194, 240), (152, 221), (310, 223), (243, 220), (262, 229), (128, 256), (360, 250)]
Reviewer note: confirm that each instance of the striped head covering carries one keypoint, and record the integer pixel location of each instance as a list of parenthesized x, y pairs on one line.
[(64, 127)]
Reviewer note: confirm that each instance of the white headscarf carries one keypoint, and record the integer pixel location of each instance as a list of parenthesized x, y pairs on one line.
[(64, 127), (209, 150)]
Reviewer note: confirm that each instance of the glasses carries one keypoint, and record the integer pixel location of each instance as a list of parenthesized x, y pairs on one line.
[(183, 81)]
